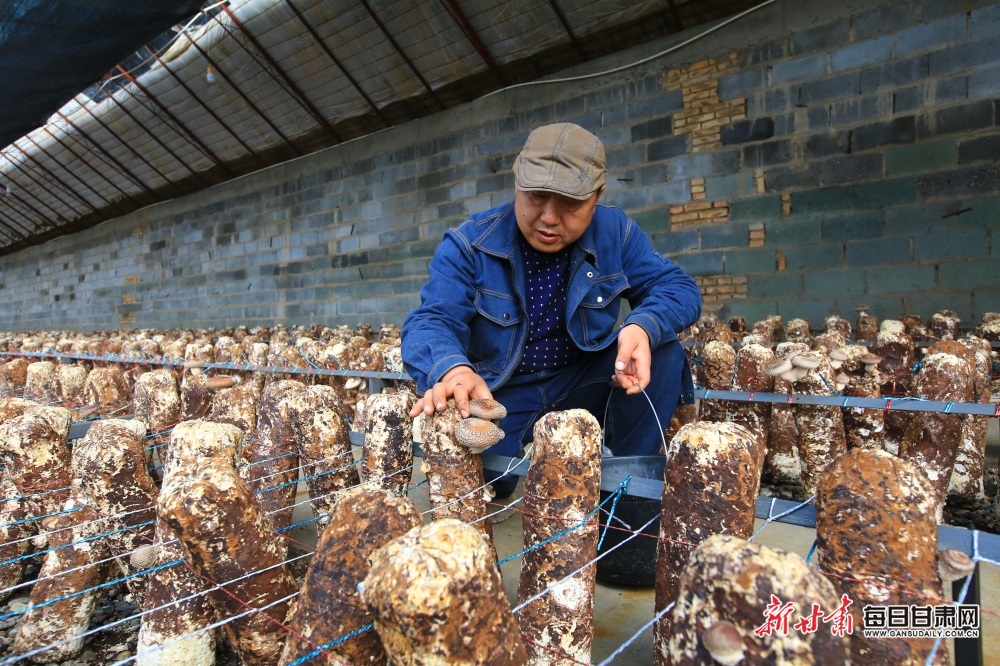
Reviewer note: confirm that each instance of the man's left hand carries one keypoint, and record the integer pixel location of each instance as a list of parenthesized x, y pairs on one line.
[(634, 356)]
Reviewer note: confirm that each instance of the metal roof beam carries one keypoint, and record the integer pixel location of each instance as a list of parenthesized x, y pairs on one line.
[(282, 74), (89, 166), (569, 31), (456, 13), (406, 59), (106, 153), (340, 66), (59, 180), (126, 144), (14, 195), (205, 106), (27, 234), (174, 119), (8, 231), (239, 91), (156, 137), (42, 185)]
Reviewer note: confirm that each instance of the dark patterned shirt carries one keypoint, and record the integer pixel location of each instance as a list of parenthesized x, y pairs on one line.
[(549, 345)]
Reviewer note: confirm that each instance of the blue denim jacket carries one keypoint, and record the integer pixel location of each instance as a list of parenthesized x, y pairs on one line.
[(473, 312)]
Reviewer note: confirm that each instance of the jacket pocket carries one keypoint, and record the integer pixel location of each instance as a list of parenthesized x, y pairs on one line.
[(494, 330), (600, 308)]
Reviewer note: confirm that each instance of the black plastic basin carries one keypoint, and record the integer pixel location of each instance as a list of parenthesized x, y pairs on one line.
[(635, 562)]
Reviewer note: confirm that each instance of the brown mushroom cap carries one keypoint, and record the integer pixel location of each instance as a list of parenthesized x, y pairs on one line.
[(145, 556), (870, 359), (838, 354), (806, 360), (779, 367), (724, 642), (477, 434), (954, 565), (484, 408)]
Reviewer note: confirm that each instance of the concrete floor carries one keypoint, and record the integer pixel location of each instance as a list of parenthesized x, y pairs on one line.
[(621, 611)]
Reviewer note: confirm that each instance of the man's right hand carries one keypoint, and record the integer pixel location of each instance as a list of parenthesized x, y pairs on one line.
[(460, 383)]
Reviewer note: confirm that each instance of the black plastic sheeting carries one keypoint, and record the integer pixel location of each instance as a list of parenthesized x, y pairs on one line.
[(50, 50)]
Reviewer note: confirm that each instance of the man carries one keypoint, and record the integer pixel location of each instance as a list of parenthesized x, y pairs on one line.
[(523, 302)]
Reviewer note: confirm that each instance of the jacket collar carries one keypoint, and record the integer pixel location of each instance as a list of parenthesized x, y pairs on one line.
[(501, 236)]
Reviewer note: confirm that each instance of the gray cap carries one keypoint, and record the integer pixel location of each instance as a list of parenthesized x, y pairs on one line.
[(562, 158)]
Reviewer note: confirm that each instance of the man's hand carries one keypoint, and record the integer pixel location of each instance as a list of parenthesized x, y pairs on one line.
[(460, 383), (634, 356)]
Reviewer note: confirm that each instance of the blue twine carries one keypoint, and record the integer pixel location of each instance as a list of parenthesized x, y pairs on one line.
[(327, 646), (812, 550), (552, 538), (34, 518), (74, 543), (622, 489), (109, 583)]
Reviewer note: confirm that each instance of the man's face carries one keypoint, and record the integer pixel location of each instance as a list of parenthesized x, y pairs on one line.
[(551, 222)]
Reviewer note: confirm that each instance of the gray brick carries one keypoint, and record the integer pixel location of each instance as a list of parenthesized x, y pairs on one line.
[(953, 245), (652, 129), (969, 275), (861, 109), (669, 193), (819, 201), (821, 38), (754, 260), (861, 54), (983, 301), (700, 263), (845, 85), (852, 226), (883, 193), (628, 199), (838, 282), (699, 165), (665, 149), (900, 279), (926, 35), (777, 285), (985, 213), (921, 157), (675, 241), (741, 84), (851, 169), (826, 143), (901, 129), (722, 187), (884, 20), (768, 153), (985, 21), (813, 257), (951, 90), (895, 74), (924, 218), (961, 118), (878, 251), (799, 231), (767, 207), (959, 302), (960, 182), (965, 55), (752, 311), (984, 82), (781, 179), (724, 235), (808, 67), (933, 9)]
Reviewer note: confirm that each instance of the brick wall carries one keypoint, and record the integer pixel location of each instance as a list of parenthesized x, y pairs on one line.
[(801, 162)]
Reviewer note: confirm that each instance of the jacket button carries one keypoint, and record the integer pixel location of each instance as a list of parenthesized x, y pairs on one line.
[(506, 316), (600, 299), (590, 274)]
